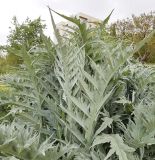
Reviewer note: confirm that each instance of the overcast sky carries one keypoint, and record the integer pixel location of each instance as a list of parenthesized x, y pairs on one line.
[(97, 8)]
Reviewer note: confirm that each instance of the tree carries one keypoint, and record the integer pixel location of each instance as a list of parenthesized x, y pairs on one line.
[(135, 29), (27, 33)]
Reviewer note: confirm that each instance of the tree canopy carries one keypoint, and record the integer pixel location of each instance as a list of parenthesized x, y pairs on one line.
[(27, 33), (135, 29)]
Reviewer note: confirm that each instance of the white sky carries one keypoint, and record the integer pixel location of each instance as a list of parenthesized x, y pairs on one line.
[(97, 8)]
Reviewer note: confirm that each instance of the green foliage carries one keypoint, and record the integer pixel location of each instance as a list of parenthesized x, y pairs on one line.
[(135, 29), (117, 145), (68, 104), (27, 33), (21, 142), (86, 36), (8, 63)]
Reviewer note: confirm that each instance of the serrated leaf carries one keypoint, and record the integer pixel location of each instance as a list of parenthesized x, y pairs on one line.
[(116, 143)]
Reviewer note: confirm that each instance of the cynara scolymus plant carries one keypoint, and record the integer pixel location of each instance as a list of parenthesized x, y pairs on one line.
[(66, 104)]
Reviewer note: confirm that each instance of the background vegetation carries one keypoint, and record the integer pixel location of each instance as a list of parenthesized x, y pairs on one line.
[(134, 30)]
